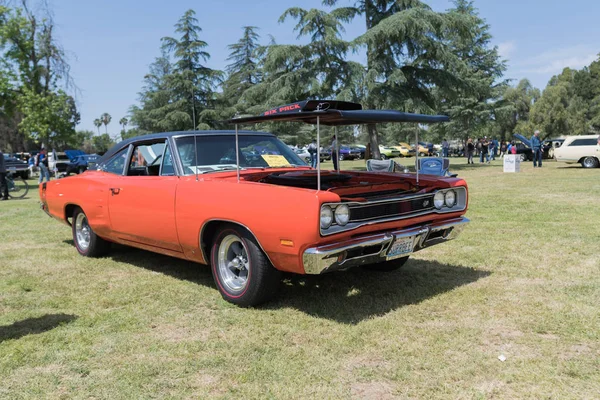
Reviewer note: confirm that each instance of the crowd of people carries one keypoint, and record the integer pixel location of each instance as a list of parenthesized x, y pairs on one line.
[(487, 149)]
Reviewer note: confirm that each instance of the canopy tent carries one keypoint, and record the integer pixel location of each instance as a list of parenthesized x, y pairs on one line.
[(333, 113)]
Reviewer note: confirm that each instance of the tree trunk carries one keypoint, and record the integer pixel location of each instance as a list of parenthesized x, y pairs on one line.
[(374, 140)]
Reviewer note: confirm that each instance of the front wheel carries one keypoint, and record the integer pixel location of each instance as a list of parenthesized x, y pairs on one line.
[(589, 162), (17, 187), (523, 157), (383, 157), (387, 266), (87, 243), (242, 272)]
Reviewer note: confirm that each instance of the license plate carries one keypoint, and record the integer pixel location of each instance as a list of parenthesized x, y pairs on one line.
[(400, 248)]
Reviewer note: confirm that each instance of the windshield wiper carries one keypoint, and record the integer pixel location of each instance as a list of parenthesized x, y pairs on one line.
[(221, 169)]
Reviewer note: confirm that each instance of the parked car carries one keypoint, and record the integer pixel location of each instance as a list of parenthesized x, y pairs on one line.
[(303, 154), (404, 149), (178, 194), (80, 164), (550, 145), (388, 152), (523, 147), (59, 163), (526, 152), (16, 166), (584, 150), (359, 149), (346, 153)]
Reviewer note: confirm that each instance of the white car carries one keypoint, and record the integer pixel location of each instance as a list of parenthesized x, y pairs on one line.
[(58, 164), (584, 150), (303, 154)]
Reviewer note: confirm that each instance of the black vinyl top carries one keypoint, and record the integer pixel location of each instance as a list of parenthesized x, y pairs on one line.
[(165, 135), (334, 113)]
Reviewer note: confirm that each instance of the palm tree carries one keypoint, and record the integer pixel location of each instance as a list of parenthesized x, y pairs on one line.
[(106, 118), (98, 124), (123, 121)]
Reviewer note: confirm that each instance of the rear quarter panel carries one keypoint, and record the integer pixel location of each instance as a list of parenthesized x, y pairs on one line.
[(88, 191)]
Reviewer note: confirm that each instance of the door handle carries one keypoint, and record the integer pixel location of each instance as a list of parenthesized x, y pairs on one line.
[(114, 191)]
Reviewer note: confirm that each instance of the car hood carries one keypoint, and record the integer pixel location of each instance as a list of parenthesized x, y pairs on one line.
[(523, 139)]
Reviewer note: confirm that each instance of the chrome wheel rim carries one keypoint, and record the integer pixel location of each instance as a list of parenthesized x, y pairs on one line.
[(233, 264), (588, 162), (82, 232)]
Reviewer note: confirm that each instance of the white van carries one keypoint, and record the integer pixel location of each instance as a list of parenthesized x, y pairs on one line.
[(580, 149)]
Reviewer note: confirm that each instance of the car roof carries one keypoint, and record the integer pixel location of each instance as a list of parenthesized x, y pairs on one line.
[(166, 135)]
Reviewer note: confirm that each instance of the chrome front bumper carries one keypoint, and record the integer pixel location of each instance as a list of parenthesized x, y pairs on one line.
[(374, 248)]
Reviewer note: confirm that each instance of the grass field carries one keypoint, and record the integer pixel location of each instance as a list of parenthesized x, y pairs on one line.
[(522, 282)]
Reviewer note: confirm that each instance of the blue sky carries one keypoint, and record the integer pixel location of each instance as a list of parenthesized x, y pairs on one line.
[(110, 43)]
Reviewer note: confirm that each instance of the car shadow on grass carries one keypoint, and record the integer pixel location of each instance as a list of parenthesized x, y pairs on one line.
[(32, 326), (357, 294), (347, 296)]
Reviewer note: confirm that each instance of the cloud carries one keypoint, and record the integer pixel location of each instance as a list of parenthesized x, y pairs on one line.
[(554, 61), (505, 49)]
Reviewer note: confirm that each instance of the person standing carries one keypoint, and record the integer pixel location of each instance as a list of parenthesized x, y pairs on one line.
[(334, 152), (491, 151), (312, 150), (42, 163), (470, 151), (502, 148), (483, 144), (3, 183), (536, 146), (445, 148)]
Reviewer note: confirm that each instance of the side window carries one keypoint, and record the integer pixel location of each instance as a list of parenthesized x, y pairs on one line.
[(167, 168), (146, 159), (583, 142), (116, 164)]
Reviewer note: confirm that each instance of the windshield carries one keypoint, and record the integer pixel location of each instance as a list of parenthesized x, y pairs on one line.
[(217, 153)]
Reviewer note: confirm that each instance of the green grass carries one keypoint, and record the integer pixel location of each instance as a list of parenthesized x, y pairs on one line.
[(522, 281)]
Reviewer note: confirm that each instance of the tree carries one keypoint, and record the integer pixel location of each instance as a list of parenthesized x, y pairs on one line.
[(98, 124), (192, 83), (123, 122), (155, 98), (102, 143), (517, 102), (471, 107), (105, 118), (39, 75), (407, 54), (244, 71), (49, 118)]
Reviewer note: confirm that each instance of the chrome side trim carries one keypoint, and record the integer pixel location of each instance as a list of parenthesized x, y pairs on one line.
[(332, 257)]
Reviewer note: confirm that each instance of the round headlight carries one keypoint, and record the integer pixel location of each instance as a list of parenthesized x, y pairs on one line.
[(438, 200), (326, 217), (342, 214), (450, 198)]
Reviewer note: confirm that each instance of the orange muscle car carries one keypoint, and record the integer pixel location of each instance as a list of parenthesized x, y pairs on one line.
[(246, 204)]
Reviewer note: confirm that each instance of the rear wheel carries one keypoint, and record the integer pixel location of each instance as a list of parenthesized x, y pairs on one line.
[(387, 266), (80, 170), (242, 272), (589, 162), (87, 243)]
